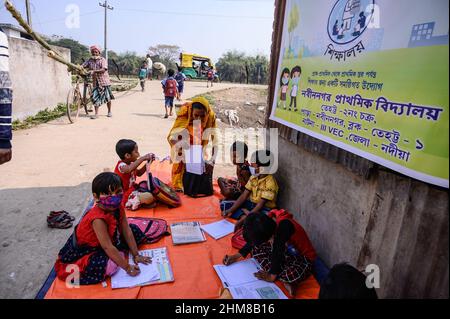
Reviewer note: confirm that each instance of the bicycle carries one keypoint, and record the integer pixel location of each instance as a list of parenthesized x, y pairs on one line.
[(76, 99)]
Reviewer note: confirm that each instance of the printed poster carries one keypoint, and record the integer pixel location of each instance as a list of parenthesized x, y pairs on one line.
[(371, 77)]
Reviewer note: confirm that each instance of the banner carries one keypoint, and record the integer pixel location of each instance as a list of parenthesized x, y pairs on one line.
[(371, 77)]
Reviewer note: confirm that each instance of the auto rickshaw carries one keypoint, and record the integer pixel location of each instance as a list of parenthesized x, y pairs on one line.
[(195, 66)]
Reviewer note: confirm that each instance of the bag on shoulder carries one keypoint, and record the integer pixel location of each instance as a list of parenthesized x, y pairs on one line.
[(153, 228), (197, 185), (170, 89), (238, 241)]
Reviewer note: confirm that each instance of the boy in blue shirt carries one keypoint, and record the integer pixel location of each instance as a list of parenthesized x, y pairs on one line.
[(143, 75), (180, 78)]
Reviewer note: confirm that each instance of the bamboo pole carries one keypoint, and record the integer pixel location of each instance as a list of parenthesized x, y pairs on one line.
[(71, 67), (52, 53)]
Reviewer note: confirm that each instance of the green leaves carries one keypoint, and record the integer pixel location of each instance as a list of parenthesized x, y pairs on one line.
[(235, 66)]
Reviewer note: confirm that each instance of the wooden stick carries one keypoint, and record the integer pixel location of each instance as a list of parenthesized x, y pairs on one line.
[(72, 67)]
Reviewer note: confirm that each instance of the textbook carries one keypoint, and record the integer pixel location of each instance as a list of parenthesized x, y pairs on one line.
[(240, 279), (187, 233)]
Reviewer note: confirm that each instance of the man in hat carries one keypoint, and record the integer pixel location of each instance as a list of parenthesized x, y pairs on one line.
[(102, 92)]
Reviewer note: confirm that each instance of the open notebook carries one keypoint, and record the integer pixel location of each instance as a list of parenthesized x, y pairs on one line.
[(158, 272), (219, 229), (240, 279)]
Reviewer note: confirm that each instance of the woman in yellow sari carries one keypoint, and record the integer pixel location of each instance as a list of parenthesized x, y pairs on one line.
[(200, 111)]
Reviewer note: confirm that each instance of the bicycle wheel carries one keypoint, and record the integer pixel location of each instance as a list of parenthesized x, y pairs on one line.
[(73, 104)]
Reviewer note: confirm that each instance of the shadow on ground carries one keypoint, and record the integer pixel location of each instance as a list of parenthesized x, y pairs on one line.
[(28, 248)]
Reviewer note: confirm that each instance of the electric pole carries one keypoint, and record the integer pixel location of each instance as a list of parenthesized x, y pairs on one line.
[(107, 7), (27, 5)]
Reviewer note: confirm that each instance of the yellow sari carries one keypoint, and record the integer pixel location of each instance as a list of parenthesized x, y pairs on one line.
[(184, 121)]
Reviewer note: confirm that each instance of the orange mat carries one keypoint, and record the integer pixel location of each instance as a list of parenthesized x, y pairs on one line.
[(192, 264)]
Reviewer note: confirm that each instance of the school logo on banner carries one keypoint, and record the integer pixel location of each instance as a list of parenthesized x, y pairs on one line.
[(348, 20)]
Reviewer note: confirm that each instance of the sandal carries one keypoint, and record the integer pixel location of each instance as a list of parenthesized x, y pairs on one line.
[(62, 212), (59, 221)]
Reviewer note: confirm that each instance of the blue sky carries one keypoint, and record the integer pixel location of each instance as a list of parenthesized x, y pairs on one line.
[(208, 27)]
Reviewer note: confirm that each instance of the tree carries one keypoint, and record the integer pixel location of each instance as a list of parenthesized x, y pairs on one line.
[(128, 62), (168, 55), (235, 66), (79, 52), (294, 18), (231, 66)]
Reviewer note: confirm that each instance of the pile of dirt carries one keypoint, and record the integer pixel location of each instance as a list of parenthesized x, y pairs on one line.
[(247, 105)]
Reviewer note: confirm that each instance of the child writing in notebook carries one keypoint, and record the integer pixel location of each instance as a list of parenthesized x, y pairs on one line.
[(99, 241), (281, 247), (129, 168), (260, 194)]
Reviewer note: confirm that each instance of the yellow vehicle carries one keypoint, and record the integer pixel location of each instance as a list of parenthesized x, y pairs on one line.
[(196, 66)]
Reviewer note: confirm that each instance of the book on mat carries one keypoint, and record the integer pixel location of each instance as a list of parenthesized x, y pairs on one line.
[(158, 272), (240, 279), (219, 229), (187, 233)]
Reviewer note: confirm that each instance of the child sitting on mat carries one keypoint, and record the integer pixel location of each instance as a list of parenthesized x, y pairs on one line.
[(128, 169), (231, 189), (281, 247), (97, 246), (260, 194)]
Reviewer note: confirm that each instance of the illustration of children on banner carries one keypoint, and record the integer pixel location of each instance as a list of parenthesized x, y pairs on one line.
[(284, 82), (295, 77)]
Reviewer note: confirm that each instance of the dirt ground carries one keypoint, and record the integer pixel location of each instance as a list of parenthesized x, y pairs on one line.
[(53, 165), (249, 103)]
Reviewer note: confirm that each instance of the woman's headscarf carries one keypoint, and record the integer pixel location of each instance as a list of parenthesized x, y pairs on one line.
[(185, 118)]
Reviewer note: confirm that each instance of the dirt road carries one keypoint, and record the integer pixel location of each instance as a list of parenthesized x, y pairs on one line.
[(53, 165)]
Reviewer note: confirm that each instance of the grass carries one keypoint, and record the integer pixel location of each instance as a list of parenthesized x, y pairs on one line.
[(43, 116), (125, 85)]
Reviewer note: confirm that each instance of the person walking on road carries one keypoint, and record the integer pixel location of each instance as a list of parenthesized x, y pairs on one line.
[(210, 75), (143, 73)]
